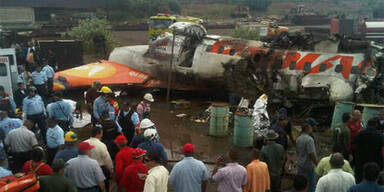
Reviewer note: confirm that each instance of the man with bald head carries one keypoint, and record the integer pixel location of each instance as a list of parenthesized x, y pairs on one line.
[(355, 126), (336, 180)]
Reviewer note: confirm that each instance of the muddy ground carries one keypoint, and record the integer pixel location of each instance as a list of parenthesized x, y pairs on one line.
[(175, 132)]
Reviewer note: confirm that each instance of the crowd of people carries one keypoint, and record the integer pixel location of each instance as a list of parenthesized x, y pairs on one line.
[(353, 165), (124, 150)]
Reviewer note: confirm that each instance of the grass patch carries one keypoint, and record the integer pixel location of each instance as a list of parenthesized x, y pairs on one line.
[(205, 11)]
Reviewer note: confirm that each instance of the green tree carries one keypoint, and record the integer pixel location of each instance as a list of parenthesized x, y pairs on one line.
[(257, 4), (95, 36), (131, 9), (246, 33)]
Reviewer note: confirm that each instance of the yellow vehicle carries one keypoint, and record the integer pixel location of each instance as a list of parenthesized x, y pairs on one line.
[(160, 23), (272, 29)]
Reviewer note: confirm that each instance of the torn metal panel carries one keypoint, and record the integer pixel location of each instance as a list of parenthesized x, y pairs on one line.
[(335, 88), (298, 74)]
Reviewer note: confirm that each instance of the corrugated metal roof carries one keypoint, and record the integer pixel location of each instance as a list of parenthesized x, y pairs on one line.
[(374, 24), (72, 4)]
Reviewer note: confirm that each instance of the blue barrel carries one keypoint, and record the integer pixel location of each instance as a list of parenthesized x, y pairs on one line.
[(370, 111), (243, 131), (218, 125), (340, 109)]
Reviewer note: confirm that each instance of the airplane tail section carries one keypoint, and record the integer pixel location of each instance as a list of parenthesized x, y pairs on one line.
[(106, 72)]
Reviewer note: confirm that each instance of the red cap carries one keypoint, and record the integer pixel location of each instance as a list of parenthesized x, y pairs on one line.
[(138, 153), (84, 146), (188, 148), (120, 140)]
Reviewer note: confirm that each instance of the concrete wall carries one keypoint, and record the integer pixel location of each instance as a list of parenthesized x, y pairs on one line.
[(16, 15), (74, 4)]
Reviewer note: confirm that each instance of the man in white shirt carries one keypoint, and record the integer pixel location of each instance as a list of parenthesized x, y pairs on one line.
[(100, 153), (336, 180), (157, 178)]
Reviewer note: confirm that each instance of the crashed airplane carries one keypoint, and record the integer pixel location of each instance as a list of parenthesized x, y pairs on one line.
[(202, 61)]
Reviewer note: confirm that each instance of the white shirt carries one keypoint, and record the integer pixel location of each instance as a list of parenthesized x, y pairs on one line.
[(21, 140), (157, 180), (100, 153), (335, 181)]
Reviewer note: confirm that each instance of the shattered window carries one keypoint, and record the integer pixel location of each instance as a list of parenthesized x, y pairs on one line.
[(338, 68), (209, 48), (322, 67), (292, 66), (307, 67), (221, 49), (160, 23), (355, 70), (3, 70)]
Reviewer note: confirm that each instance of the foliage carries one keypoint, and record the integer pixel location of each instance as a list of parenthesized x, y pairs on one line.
[(203, 11), (132, 9), (252, 4), (246, 33), (257, 4), (90, 29)]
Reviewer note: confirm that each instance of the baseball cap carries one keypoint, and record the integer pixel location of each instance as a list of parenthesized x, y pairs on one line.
[(312, 121), (85, 146), (120, 140), (70, 136), (188, 148), (138, 152)]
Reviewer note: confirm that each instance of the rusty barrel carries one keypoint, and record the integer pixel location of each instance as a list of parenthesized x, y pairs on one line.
[(243, 130), (218, 125)]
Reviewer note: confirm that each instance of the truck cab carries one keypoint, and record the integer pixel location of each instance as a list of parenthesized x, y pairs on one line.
[(272, 29), (8, 70)]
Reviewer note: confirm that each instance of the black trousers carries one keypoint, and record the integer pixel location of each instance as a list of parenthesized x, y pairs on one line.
[(50, 86), (111, 147), (275, 183), (39, 119), (129, 134), (107, 175), (16, 160), (92, 189), (51, 152), (42, 91)]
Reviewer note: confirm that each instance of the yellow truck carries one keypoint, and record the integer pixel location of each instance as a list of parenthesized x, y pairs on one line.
[(160, 23), (272, 30)]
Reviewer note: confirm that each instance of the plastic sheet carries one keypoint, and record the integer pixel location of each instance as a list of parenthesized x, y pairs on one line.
[(260, 116)]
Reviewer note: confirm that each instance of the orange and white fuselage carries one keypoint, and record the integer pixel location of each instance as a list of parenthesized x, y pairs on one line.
[(335, 74)]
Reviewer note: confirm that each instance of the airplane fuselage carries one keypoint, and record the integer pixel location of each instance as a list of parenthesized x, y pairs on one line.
[(334, 74)]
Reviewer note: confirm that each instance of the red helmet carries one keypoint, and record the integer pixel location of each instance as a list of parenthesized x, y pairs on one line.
[(138, 153)]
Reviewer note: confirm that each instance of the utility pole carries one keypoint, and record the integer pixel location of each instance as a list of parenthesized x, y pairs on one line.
[(169, 87)]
